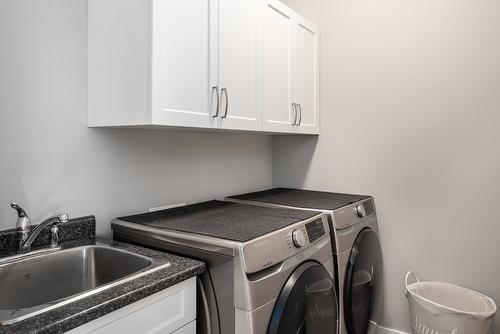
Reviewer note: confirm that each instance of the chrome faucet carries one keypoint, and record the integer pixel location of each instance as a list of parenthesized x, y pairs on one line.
[(28, 236)]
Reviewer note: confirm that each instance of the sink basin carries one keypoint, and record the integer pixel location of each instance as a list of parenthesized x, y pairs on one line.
[(38, 283)]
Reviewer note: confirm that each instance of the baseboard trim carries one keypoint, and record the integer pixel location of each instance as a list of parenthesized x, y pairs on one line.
[(385, 330)]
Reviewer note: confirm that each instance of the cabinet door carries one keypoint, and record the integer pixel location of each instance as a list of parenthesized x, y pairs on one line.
[(188, 329), (183, 66), (277, 62), (161, 313), (238, 50), (306, 75)]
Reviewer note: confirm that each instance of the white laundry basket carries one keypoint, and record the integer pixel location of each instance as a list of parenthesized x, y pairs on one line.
[(442, 308)]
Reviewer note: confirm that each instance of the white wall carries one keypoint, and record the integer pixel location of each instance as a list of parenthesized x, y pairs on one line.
[(51, 162), (410, 109)]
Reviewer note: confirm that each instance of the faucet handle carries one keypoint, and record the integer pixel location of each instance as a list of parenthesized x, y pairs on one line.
[(63, 218), (20, 211), (23, 223)]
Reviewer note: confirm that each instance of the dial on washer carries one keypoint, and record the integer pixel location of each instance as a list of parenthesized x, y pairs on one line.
[(360, 211), (298, 238)]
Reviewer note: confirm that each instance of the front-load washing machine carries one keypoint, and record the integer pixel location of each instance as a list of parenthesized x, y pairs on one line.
[(355, 243), (269, 270)]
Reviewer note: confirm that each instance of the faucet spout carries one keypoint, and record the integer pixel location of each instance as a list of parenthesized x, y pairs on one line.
[(25, 245)]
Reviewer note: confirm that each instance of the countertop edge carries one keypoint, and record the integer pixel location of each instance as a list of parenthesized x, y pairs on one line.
[(78, 313)]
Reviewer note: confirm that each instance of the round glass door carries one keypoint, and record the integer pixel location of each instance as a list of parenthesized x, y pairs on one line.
[(307, 303), (362, 295)]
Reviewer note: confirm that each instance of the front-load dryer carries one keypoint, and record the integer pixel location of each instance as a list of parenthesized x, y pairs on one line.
[(355, 244), (269, 270)]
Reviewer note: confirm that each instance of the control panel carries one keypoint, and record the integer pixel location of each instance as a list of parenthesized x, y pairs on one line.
[(369, 207), (352, 214), (315, 230), (266, 251)]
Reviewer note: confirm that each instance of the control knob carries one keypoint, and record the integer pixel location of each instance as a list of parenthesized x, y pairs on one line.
[(360, 211), (298, 238)]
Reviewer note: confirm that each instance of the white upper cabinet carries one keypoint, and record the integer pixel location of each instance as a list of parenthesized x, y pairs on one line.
[(290, 71), (305, 73), (118, 63), (277, 67), (152, 62), (246, 65), (183, 43), (238, 65)]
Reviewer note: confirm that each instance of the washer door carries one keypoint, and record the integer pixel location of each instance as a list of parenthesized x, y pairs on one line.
[(307, 303), (362, 287)]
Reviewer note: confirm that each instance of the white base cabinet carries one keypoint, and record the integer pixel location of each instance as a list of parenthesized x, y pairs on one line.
[(188, 329), (246, 65), (172, 310)]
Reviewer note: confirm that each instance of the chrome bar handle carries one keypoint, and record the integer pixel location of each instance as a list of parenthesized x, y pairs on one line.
[(300, 114), (216, 89), (294, 110), (224, 91)]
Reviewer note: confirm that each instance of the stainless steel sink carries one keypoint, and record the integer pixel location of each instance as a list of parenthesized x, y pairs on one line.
[(32, 284)]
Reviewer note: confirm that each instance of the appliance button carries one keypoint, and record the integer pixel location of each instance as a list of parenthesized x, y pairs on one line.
[(298, 238)]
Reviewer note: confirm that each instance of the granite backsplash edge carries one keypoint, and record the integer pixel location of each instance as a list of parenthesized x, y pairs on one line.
[(80, 228)]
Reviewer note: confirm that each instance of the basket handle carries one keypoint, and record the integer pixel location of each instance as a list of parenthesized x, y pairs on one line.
[(407, 277)]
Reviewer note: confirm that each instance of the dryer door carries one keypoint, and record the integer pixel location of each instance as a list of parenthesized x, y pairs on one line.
[(307, 303), (362, 286)]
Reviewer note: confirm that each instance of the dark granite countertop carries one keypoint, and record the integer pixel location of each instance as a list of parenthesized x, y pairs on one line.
[(77, 313)]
